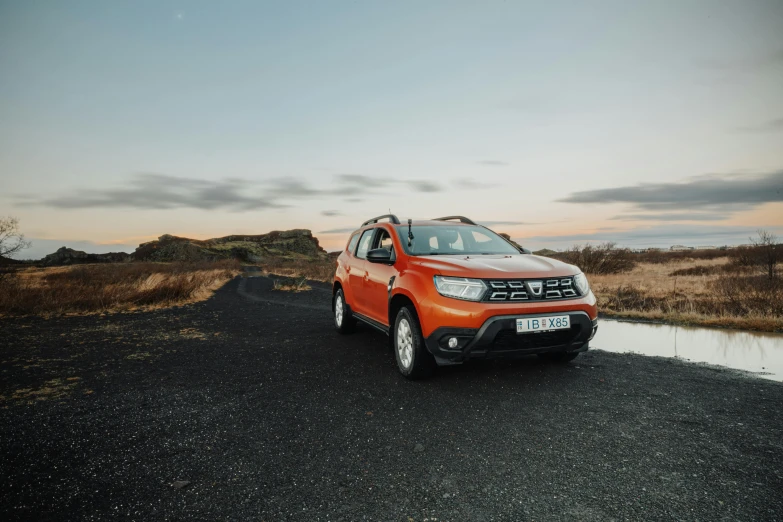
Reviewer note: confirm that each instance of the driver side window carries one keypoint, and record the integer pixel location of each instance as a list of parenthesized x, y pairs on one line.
[(364, 244)]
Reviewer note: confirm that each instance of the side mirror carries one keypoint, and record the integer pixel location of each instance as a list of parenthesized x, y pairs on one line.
[(379, 255)]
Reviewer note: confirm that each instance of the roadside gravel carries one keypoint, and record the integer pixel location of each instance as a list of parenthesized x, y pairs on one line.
[(250, 406)]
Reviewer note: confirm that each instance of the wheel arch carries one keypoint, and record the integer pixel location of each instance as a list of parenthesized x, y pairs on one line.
[(397, 301), (337, 285)]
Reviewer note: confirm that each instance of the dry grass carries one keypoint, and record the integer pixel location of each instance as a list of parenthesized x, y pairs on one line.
[(110, 287), (314, 270), (710, 292), (291, 286)]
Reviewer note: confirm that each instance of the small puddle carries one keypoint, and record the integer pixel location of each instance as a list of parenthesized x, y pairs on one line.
[(756, 352)]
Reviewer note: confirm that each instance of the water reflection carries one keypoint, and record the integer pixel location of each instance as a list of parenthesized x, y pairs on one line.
[(751, 351)]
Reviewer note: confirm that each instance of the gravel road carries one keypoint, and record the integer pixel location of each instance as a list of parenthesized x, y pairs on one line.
[(250, 407)]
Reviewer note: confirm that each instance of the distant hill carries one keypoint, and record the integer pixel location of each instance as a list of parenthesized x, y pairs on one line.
[(5, 261), (69, 256), (288, 244)]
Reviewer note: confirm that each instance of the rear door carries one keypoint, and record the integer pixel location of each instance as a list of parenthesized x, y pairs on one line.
[(358, 272)]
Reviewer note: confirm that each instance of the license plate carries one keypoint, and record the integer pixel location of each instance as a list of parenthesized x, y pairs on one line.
[(543, 324)]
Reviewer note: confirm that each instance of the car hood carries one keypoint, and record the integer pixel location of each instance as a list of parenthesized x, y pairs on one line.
[(496, 266)]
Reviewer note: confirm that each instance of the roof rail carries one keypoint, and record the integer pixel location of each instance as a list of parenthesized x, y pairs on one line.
[(392, 219), (462, 219)]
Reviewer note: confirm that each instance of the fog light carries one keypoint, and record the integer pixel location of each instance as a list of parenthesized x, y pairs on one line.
[(453, 342), (595, 329)]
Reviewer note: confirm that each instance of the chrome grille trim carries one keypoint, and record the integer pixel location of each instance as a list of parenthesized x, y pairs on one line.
[(507, 290)]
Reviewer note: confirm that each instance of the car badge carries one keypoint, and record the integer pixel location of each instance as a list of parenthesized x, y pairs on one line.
[(535, 287)]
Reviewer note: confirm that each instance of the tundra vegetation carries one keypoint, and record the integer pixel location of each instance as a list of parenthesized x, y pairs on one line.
[(736, 288), (109, 287)]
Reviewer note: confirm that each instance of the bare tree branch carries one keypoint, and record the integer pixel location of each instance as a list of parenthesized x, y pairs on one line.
[(11, 240)]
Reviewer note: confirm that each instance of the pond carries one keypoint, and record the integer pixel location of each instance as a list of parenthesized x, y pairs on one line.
[(757, 352)]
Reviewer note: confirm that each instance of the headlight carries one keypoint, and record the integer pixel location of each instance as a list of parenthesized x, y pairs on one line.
[(460, 287), (580, 281)]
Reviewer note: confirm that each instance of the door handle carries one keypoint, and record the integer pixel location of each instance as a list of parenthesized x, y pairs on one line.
[(347, 269), (366, 276)]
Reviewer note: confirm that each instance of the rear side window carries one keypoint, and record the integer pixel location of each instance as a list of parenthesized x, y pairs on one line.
[(364, 243), (352, 243)]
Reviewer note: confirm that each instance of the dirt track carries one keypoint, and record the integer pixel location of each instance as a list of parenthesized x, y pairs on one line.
[(268, 414)]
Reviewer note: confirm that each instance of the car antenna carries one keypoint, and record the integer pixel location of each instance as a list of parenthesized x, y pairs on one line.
[(410, 234)]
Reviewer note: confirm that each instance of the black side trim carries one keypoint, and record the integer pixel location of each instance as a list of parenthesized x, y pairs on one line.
[(375, 324)]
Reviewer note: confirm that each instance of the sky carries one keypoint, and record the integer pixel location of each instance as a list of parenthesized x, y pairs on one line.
[(642, 123)]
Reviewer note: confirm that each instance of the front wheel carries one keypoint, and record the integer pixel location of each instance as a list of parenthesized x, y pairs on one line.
[(343, 319), (559, 357), (413, 359)]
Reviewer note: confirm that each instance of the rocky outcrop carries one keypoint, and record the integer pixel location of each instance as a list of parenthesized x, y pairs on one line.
[(288, 244), (69, 256)]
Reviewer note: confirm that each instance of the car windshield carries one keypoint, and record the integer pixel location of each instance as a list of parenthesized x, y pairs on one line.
[(453, 240)]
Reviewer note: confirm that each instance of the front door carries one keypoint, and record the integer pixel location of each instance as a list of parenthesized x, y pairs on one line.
[(377, 281)]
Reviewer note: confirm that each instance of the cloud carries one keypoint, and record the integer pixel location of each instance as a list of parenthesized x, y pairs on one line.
[(774, 125), (159, 191), (716, 193), (360, 180), (338, 230), (424, 186), (502, 223), (470, 184), (661, 235), (674, 216), (151, 191), (494, 163), (331, 213)]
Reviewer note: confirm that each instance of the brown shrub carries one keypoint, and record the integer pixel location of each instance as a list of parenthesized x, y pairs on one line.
[(601, 259), (758, 295), (698, 270), (666, 256), (630, 298), (107, 287), (762, 258), (709, 270)]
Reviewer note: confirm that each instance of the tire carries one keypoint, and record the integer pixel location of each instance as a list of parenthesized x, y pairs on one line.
[(413, 359), (343, 318), (559, 357)]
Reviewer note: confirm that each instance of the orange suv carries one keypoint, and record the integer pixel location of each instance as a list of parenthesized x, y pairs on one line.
[(449, 290)]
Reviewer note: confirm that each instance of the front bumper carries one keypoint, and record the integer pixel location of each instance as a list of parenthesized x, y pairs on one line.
[(498, 337)]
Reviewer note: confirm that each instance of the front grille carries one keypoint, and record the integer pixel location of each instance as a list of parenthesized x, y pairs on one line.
[(511, 340), (505, 290)]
